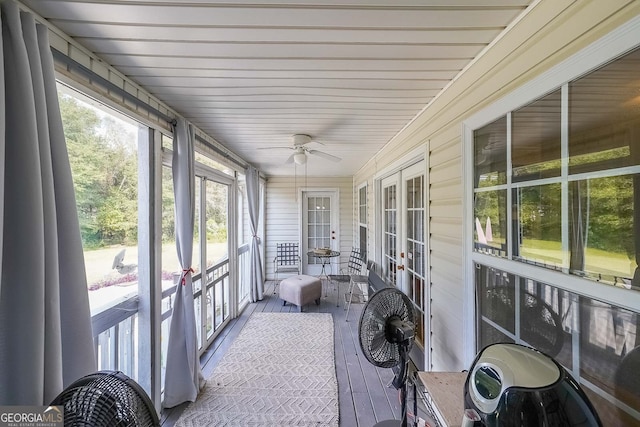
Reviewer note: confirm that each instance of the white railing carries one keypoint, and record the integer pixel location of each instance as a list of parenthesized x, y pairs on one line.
[(115, 337), (115, 329)]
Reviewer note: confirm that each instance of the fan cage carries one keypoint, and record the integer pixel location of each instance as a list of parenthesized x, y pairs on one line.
[(383, 305), (109, 399)]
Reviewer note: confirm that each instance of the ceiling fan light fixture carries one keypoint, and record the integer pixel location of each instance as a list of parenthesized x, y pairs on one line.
[(300, 158)]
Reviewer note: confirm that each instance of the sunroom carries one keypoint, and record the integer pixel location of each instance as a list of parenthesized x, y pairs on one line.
[(482, 156)]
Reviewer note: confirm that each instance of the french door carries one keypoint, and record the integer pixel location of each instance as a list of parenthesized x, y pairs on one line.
[(319, 228), (403, 245)]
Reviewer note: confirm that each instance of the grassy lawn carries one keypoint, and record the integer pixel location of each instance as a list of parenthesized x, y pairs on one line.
[(596, 260), (99, 262)]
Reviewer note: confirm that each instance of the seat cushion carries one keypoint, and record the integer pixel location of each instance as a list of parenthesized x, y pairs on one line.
[(300, 289)]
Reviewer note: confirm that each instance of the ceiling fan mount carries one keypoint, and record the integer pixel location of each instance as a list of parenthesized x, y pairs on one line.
[(301, 139)]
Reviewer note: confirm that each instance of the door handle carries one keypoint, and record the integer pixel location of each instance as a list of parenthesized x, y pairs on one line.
[(400, 267)]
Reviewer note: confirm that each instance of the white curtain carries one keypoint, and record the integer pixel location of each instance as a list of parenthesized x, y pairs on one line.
[(253, 196), (45, 323), (183, 377)]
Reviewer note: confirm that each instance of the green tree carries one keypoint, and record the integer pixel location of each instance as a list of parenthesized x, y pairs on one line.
[(103, 162)]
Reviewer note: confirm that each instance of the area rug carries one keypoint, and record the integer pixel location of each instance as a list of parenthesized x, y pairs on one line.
[(280, 371)]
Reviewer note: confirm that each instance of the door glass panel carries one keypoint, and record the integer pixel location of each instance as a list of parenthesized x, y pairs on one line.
[(414, 264), (389, 232), (318, 224)]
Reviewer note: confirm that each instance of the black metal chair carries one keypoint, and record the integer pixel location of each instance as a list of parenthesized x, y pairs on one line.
[(358, 287), (287, 260), (352, 267)]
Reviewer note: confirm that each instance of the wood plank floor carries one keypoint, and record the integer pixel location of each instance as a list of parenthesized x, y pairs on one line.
[(364, 394)]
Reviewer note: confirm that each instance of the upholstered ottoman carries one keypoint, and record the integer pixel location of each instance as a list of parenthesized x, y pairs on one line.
[(300, 290)]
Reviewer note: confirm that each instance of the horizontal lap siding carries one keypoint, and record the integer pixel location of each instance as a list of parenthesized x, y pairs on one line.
[(547, 35), (282, 216), (445, 225)]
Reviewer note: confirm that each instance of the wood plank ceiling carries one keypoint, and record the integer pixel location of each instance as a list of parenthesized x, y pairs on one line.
[(252, 73)]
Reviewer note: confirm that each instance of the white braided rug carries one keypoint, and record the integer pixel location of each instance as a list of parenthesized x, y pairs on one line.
[(280, 371)]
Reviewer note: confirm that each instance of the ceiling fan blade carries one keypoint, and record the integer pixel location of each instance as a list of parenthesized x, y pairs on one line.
[(324, 155), (277, 148)]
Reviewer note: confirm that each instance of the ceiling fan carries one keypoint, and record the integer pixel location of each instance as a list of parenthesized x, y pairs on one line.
[(300, 149)]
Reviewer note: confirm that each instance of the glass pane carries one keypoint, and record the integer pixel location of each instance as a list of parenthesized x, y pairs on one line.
[(603, 242), (539, 225), (541, 324), (610, 357), (535, 139), (389, 262), (195, 255), (490, 212), (217, 222), (218, 304), (496, 291), (363, 242), (490, 154), (410, 227), (103, 154), (363, 205), (208, 161), (244, 224), (209, 327), (547, 316), (167, 142), (418, 224), (411, 194), (170, 265), (603, 117), (197, 306)]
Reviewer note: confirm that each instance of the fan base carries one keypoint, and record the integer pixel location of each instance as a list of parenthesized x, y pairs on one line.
[(389, 423)]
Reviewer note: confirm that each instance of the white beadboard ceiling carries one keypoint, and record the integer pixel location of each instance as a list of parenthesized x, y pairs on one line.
[(252, 73)]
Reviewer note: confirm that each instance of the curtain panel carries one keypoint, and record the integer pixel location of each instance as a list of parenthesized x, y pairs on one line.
[(253, 196), (183, 377), (46, 341)]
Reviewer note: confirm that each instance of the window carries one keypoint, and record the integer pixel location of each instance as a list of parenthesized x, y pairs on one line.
[(574, 214), (555, 188), (362, 220)]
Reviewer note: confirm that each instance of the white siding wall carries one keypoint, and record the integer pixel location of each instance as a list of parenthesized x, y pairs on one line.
[(548, 34), (282, 216)]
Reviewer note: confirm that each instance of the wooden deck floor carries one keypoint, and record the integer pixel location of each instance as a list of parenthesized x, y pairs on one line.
[(364, 395)]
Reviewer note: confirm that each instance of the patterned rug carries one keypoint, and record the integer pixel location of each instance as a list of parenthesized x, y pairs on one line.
[(280, 371)]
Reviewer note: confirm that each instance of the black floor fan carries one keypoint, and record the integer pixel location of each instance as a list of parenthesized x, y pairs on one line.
[(106, 399), (387, 332)]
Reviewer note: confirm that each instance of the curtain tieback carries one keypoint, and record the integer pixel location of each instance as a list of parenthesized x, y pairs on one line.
[(184, 274)]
